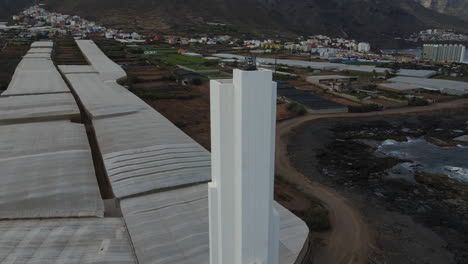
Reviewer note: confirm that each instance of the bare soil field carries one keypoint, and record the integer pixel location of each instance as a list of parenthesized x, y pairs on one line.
[(11, 53)]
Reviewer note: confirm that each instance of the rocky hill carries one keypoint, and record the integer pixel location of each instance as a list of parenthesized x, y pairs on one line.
[(457, 8), (366, 19)]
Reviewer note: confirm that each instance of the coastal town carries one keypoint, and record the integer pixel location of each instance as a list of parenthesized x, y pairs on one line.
[(318, 73), (370, 143), (37, 22)]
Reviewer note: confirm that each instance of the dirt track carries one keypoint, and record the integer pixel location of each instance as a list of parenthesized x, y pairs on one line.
[(350, 240)]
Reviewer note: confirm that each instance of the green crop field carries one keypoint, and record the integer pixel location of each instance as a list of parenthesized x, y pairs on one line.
[(179, 59), (198, 67)]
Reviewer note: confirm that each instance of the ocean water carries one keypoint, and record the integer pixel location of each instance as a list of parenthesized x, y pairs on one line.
[(427, 157)]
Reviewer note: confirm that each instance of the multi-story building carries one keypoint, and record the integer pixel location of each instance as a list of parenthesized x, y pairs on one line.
[(364, 47), (444, 53)]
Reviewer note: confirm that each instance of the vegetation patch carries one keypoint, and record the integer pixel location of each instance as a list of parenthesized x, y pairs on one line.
[(178, 59), (198, 67), (316, 219), (365, 108), (158, 94), (296, 108), (416, 101)]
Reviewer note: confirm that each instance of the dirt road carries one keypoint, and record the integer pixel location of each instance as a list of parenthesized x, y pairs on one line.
[(351, 239)]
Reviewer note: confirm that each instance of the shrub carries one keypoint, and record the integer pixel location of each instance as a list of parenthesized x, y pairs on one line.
[(370, 87), (415, 101), (210, 63), (282, 77), (317, 219), (296, 108), (169, 78), (158, 94), (137, 51), (133, 79), (197, 82), (180, 124), (3, 85), (365, 108)]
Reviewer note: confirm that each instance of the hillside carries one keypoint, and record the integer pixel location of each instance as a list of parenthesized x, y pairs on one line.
[(378, 21), (361, 19), (10, 7), (457, 8)]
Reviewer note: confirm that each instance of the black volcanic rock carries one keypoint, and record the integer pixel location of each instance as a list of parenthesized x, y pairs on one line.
[(450, 7)]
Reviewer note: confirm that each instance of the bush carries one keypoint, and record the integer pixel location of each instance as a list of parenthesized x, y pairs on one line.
[(133, 79), (317, 219), (210, 63), (3, 85), (137, 51), (370, 87), (197, 82), (282, 77), (180, 124), (157, 94), (296, 108), (418, 102), (365, 108), (169, 78)]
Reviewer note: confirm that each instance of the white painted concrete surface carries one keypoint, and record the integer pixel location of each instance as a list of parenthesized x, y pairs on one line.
[(43, 107), (67, 241), (244, 227)]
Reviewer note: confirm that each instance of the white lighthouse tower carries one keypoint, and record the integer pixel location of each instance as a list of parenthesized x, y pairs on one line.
[(244, 226)]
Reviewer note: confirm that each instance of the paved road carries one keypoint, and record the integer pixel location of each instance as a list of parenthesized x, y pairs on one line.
[(351, 238)]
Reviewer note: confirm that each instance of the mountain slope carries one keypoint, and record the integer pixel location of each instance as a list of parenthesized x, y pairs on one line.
[(10, 7), (361, 19), (457, 8), (357, 18)]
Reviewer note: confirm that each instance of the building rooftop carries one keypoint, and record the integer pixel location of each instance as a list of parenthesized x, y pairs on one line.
[(444, 86), (41, 107), (173, 227), (71, 241), (108, 70), (36, 75), (328, 77), (157, 173), (47, 171), (42, 44), (328, 66)]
